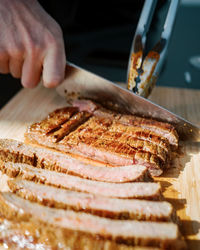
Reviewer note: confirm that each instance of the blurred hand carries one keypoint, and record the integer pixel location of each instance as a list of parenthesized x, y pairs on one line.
[(31, 44)]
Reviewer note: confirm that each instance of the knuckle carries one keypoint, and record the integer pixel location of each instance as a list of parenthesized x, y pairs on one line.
[(33, 46), (33, 49), (54, 36), (16, 51)]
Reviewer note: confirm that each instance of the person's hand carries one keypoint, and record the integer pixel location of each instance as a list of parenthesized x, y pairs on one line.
[(31, 44)]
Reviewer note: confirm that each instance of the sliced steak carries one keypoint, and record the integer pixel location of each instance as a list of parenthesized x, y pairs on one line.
[(102, 124), (110, 152), (15, 151), (142, 134), (163, 129), (22, 235), (31, 235), (98, 205), (107, 130), (162, 234), (62, 126), (139, 190), (90, 141), (55, 119), (69, 126)]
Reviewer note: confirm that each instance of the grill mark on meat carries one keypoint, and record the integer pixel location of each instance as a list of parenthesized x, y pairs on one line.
[(97, 205), (102, 125), (140, 133), (96, 147), (81, 142), (15, 151), (135, 143), (118, 154), (112, 152), (161, 128), (105, 130), (96, 132), (138, 190), (72, 124), (54, 120), (108, 140), (162, 234), (139, 144)]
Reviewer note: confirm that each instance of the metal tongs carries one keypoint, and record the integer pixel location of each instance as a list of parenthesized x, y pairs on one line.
[(143, 70)]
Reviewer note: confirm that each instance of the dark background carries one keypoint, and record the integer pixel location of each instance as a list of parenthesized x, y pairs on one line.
[(98, 37)]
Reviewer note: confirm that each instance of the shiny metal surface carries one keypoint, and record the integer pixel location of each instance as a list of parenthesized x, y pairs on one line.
[(143, 70), (136, 56), (81, 83)]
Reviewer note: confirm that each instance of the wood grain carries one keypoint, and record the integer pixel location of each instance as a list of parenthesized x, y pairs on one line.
[(181, 184)]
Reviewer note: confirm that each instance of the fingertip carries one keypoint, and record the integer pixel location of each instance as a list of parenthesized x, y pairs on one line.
[(54, 67), (52, 79), (52, 84)]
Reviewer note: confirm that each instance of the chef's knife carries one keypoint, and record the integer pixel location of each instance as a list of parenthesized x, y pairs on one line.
[(84, 84)]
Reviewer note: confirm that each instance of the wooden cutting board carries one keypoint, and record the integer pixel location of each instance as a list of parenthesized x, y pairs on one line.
[(181, 184)]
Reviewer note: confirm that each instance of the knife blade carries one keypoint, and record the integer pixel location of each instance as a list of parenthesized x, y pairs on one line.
[(80, 83)]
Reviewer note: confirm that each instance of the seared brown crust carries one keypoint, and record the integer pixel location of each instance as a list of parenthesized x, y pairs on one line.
[(107, 130), (59, 222), (138, 190), (94, 140), (70, 125), (162, 129), (97, 205), (111, 152), (141, 133), (55, 119), (15, 151)]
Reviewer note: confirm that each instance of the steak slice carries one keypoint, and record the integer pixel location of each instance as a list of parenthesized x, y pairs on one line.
[(67, 127), (103, 125), (98, 205), (106, 140), (142, 134), (139, 190), (21, 235), (162, 234), (105, 129), (110, 152), (163, 129), (30, 235), (15, 151), (55, 119), (93, 145), (62, 126)]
